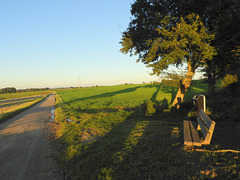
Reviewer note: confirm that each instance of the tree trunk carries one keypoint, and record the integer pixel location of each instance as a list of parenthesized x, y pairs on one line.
[(211, 88), (211, 82), (184, 87)]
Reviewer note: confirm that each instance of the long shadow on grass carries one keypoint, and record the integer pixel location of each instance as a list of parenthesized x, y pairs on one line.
[(172, 90), (93, 111), (136, 148), (110, 94), (154, 96), (158, 153)]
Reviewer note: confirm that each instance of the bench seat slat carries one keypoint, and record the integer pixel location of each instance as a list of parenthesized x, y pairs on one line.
[(187, 133), (195, 136)]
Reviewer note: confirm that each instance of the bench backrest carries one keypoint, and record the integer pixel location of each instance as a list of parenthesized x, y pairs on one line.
[(199, 102), (207, 126)]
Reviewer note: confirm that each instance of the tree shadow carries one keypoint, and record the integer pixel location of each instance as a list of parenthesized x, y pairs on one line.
[(110, 154), (157, 155), (99, 153), (172, 90), (109, 94), (154, 96), (162, 104)]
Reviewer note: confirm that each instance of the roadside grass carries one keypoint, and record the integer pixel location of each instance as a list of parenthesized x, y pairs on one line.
[(112, 137), (11, 107)]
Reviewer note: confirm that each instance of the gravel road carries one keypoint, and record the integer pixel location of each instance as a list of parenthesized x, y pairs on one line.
[(25, 152)]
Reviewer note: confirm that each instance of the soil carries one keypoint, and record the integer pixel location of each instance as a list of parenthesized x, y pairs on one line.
[(25, 150)]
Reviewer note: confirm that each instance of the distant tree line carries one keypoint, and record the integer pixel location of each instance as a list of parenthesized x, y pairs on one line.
[(14, 90), (8, 90)]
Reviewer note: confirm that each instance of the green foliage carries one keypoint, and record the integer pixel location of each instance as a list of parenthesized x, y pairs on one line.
[(172, 79), (127, 44), (186, 41), (219, 17), (192, 114), (228, 79), (179, 40), (150, 109), (8, 90)]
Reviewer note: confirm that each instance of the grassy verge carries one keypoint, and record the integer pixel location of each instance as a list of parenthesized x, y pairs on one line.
[(112, 136), (20, 107)]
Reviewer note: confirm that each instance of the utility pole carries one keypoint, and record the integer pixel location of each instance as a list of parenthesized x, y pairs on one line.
[(79, 81)]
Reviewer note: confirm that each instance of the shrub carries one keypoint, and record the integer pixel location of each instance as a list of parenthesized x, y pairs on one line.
[(150, 109), (163, 104), (228, 79)]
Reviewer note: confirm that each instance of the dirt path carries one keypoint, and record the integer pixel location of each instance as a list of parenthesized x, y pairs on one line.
[(25, 152)]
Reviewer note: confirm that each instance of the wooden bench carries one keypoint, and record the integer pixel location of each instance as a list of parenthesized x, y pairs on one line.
[(192, 129)]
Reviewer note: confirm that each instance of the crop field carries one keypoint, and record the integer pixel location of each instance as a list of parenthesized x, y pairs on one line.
[(129, 132), (23, 94), (18, 102)]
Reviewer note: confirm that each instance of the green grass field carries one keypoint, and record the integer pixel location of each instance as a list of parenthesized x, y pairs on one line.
[(112, 137)]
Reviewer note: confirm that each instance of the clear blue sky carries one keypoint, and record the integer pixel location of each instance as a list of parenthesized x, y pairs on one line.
[(54, 43)]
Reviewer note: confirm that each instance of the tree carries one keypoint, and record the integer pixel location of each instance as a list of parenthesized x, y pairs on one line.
[(177, 41), (226, 42), (8, 90), (221, 18)]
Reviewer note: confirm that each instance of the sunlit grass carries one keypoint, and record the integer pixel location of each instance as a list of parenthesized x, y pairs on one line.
[(112, 137)]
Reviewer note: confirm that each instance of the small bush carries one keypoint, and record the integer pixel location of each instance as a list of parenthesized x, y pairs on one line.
[(150, 109), (163, 104), (228, 79), (192, 114)]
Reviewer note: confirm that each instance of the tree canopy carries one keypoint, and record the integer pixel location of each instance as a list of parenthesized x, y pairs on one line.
[(176, 40), (148, 35), (186, 41)]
